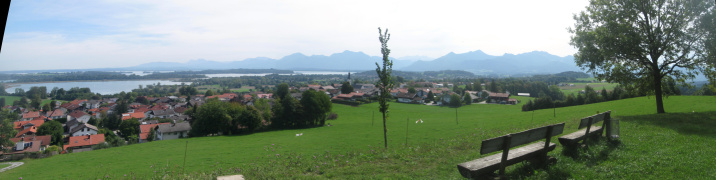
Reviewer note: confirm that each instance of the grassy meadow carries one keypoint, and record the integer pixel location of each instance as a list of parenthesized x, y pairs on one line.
[(676, 144), (580, 86), (10, 99)]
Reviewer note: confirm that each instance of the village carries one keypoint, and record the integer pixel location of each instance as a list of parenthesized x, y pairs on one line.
[(164, 118)]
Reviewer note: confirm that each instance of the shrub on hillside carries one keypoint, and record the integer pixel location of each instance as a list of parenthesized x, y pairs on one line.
[(332, 116)]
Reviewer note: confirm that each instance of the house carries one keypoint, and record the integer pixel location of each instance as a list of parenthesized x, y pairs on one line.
[(81, 116), (25, 146), (30, 115), (264, 96), (83, 143), (69, 125), (512, 101), (500, 98), (21, 125), (56, 114), (173, 131), (405, 97), (145, 129), (524, 94), (92, 104), (42, 142), (162, 113), (28, 131), (84, 129)]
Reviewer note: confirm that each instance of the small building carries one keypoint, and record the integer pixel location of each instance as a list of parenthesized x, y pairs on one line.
[(499, 98), (83, 143), (523, 94), (81, 116), (405, 97), (83, 130), (173, 131)]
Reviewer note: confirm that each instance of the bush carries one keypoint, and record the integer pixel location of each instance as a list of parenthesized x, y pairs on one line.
[(332, 116)]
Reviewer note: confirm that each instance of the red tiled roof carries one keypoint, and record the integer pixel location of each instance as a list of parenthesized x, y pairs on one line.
[(180, 109), (77, 141), (18, 124), (56, 112), (46, 140), (138, 115), (78, 101), (31, 114), (78, 114), (29, 131)]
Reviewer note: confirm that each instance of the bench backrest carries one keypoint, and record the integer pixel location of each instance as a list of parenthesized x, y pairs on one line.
[(520, 138), (595, 118)]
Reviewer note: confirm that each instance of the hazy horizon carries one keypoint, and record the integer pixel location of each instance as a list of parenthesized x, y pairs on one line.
[(101, 34)]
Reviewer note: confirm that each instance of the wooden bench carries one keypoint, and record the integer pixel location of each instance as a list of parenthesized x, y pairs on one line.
[(486, 166), (572, 140)]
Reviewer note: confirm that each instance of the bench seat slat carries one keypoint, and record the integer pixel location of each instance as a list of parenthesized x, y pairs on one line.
[(491, 163), (520, 138), (573, 138)]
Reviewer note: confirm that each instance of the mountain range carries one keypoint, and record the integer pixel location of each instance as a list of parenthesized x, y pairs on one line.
[(475, 61)]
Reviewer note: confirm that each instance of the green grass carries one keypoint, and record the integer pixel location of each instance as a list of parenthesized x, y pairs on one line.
[(580, 86), (10, 99), (352, 147), (4, 165)]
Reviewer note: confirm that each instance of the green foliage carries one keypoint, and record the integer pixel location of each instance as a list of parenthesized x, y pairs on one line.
[(455, 100), (209, 93), (435, 146), (53, 128), (411, 90), (250, 119), (128, 128), (315, 105), (282, 90), (286, 113), (152, 135), (346, 88), (211, 118), (385, 84), (637, 43), (6, 130), (431, 97), (467, 99)]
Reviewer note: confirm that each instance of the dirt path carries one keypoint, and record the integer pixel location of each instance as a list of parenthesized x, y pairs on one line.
[(12, 165)]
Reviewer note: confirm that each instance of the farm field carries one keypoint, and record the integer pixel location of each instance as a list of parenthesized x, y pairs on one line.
[(580, 86), (10, 99), (352, 146)]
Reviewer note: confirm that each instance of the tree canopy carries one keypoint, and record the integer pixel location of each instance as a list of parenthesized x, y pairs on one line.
[(638, 43), (53, 128)]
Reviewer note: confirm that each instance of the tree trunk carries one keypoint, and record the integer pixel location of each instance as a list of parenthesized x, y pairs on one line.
[(385, 132), (658, 92)]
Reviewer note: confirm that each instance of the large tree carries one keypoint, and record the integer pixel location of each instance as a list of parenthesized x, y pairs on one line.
[(346, 88), (6, 130), (385, 84), (639, 42), (53, 128)]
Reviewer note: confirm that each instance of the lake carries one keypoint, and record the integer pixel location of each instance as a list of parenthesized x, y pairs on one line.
[(113, 87), (102, 87)]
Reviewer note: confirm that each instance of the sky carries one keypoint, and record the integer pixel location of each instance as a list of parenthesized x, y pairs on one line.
[(43, 35)]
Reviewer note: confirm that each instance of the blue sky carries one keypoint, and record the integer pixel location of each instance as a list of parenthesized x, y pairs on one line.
[(110, 33)]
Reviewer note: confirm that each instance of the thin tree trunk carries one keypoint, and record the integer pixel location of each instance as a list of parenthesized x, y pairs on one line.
[(658, 92), (385, 132)]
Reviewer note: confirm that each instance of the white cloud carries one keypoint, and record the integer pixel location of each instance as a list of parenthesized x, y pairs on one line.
[(130, 33)]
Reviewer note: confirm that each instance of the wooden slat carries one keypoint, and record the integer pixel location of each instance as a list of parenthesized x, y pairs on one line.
[(475, 168), (520, 138), (572, 139), (597, 118)]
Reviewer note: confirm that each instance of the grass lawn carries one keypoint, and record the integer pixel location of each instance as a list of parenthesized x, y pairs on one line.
[(4, 165), (652, 146), (10, 99), (580, 86)]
